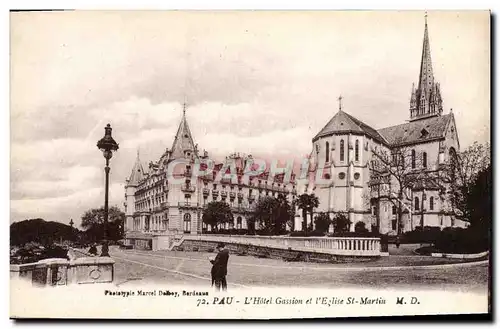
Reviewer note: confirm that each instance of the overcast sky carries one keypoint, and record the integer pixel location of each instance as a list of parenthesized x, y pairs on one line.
[(255, 82)]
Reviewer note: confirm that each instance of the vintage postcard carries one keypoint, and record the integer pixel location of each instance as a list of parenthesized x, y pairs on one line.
[(250, 164)]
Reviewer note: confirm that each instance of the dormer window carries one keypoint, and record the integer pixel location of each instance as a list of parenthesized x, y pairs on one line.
[(424, 133)]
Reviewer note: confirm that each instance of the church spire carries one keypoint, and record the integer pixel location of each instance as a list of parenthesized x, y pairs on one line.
[(183, 145), (426, 99)]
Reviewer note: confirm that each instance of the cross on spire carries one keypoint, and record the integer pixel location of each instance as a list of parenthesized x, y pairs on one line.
[(184, 108), (340, 102)]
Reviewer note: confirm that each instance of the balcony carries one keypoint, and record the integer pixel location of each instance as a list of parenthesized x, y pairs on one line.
[(223, 194), (240, 209), (187, 188), (156, 208), (240, 195), (251, 197), (206, 191), (215, 193), (232, 195), (164, 205), (184, 204)]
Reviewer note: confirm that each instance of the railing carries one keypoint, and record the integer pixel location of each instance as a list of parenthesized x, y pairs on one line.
[(188, 205), (342, 246), (187, 188)]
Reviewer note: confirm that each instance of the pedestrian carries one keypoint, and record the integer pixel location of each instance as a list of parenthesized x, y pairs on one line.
[(93, 250), (219, 267), (397, 242)]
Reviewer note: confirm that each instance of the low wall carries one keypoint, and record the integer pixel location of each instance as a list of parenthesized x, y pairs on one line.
[(336, 246), (57, 271)]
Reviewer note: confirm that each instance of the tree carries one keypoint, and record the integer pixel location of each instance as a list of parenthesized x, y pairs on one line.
[(216, 213), (93, 223), (479, 201), (40, 231), (307, 202), (285, 214), (401, 170), (461, 175), (322, 222), (272, 214), (341, 222)]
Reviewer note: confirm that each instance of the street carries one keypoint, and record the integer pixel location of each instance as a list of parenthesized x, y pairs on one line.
[(193, 268)]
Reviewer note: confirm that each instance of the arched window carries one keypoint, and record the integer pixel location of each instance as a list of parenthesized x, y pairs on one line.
[(327, 152), (413, 159), (431, 203), (341, 150), (424, 160), (238, 223), (187, 223), (453, 161), (356, 151), (417, 203)]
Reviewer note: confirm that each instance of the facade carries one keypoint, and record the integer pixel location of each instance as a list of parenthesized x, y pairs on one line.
[(167, 199), (345, 151)]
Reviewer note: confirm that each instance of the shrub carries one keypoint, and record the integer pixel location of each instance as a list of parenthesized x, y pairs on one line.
[(360, 227), (462, 241)]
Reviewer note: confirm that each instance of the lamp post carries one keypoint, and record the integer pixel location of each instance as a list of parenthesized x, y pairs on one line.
[(107, 145)]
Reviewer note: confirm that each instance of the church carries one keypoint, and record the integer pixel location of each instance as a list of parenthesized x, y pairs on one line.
[(341, 171)]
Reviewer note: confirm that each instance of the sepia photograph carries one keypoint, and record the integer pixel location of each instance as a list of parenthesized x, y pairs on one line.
[(250, 164)]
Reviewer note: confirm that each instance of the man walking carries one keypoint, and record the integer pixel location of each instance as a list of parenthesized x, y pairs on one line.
[(219, 267)]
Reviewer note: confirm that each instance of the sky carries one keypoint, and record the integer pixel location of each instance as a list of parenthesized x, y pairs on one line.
[(261, 83)]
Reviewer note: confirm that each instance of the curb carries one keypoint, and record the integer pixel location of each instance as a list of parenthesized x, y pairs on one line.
[(460, 256)]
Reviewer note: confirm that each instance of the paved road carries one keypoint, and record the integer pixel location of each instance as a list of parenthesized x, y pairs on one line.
[(245, 271)]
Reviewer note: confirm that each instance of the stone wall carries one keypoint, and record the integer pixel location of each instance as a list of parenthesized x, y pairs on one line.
[(269, 252)]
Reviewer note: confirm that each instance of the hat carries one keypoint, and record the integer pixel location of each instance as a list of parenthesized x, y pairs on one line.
[(221, 245)]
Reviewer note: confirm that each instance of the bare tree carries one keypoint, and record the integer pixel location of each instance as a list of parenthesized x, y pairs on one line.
[(395, 174)]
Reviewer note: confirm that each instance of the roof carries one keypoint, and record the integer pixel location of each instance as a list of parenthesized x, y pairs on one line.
[(137, 173), (346, 123), (413, 132), (183, 139)]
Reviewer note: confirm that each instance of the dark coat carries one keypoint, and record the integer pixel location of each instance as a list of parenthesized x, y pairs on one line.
[(219, 268)]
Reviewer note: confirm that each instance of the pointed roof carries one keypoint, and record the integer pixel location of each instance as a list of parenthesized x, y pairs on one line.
[(415, 132), (426, 77), (137, 173), (426, 100), (344, 123), (183, 140)]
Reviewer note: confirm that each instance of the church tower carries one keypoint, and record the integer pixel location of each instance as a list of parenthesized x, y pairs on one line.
[(426, 99)]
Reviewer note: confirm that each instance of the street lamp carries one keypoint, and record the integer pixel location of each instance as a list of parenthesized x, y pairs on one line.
[(107, 145)]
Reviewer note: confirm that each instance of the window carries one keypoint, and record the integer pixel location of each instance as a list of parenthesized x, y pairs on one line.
[(431, 203), (356, 151), (187, 223), (413, 159), (394, 210), (238, 223), (341, 150), (417, 204), (424, 160), (394, 223), (327, 152)]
